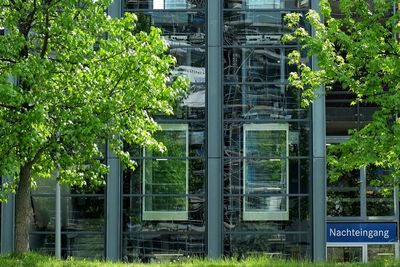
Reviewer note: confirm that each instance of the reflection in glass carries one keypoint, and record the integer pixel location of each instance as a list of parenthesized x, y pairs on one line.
[(265, 4), (266, 175), (380, 193), (166, 179), (262, 101), (344, 254), (179, 28), (257, 65), (275, 244), (164, 4), (381, 252), (344, 195), (254, 28)]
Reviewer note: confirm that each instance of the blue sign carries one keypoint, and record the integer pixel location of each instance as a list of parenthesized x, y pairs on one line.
[(361, 232)]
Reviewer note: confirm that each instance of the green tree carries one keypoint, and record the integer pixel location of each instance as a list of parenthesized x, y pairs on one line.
[(71, 77), (358, 48)]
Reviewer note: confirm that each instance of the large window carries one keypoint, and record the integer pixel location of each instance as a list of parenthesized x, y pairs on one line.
[(165, 176), (265, 172)]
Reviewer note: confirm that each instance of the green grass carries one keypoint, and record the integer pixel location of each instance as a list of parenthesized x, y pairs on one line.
[(32, 260)]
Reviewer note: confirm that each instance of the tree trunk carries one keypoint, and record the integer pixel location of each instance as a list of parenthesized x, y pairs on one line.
[(23, 209)]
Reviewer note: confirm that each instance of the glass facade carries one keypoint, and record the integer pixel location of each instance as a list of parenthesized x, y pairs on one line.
[(265, 165), (164, 198), (266, 136), (82, 221)]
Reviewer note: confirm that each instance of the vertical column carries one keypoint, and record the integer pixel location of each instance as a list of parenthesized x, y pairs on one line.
[(113, 207), (319, 169), (7, 224), (215, 131), (8, 211), (113, 189)]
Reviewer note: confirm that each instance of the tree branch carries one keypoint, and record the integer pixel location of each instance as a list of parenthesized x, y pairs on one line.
[(7, 60), (9, 106), (46, 33)]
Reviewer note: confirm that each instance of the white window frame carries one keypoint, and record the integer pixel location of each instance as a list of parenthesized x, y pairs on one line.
[(149, 215), (266, 215), (168, 4)]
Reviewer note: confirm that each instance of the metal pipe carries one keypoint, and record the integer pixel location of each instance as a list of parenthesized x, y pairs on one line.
[(58, 222)]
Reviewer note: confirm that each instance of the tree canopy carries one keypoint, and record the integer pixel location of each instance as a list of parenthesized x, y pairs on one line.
[(72, 77), (357, 47)]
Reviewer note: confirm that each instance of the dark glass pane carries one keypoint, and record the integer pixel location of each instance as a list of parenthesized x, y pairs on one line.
[(381, 252), (265, 4), (155, 246), (344, 254), (299, 216), (85, 213), (78, 213), (190, 63), (380, 193), (343, 195), (195, 139), (75, 245), (262, 101), (254, 27), (298, 139), (42, 243), (133, 181), (257, 65), (272, 244), (341, 116), (79, 245), (179, 28), (132, 216)]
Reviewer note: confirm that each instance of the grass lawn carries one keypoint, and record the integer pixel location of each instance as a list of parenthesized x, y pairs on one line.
[(32, 260)]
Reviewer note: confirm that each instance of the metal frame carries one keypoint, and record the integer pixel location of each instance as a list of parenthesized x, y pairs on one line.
[(148, 215), (364, 248), (266, 215)]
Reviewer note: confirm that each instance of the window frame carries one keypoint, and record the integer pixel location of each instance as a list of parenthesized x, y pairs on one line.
[(282, 215), (148, 215)]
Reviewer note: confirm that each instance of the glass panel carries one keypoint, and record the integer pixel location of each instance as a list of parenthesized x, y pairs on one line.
[(44, 213), (179, 28), (254, 27), (262, 101), (257, 65), (167, 178), (164, 4), (344, 254), (84, 213), (299, 217), (344, 195), (72, 244), (273, 244), (298, 139), (153, 246), (133, 180), (80, 245), (380, 193), (190, 63), (265, 4), (42, 242), (381, 252), (341, 116), (265, 176), (195, 223)]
